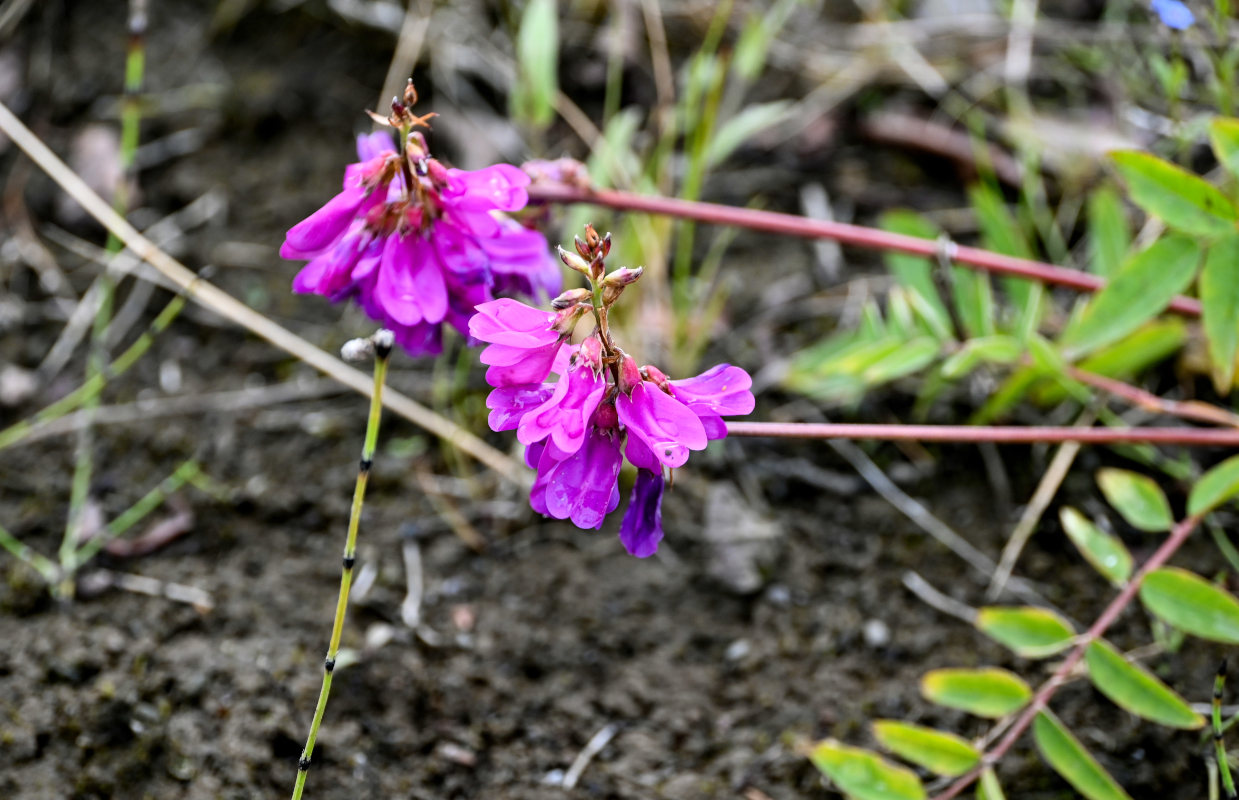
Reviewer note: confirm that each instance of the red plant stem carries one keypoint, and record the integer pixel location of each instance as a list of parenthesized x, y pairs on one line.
[(1008, 434), (1039, 701), (1184, 409), (860, 236)]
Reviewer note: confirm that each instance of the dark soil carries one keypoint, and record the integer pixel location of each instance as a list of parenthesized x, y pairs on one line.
[(774, 615)]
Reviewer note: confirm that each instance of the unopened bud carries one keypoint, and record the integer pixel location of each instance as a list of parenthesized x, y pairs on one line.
[(574, 262), (655, 376), (410, 94), (629, 375), (610, 294), (623, 276), (357, 350), (605, 416), (570, 298), (591, 353), (591, 237), (606, 245), (597, 269), (581, 247), (565, 321)]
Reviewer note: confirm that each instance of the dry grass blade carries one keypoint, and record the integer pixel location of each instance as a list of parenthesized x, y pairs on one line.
[(224, 304)]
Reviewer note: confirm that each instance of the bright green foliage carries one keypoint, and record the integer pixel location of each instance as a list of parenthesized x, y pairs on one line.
[(940, 753), (1191, 604), (1067, 756), (1108, 235), (1104, 551), (537, 64), (1135, 689), (1029, 631), (1224, 135), (974, 300), (988, 787), (1219, 300), (1001, 233), (738, 129), (1182, 200), (986, 692), (985, 350), (864, 775), (1137, 498), (1141, 289), (915, 273), (1215, 487)]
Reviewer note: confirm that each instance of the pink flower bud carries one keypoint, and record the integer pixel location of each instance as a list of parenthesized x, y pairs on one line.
[(623, 276), (574, 262), (629, 375), (656, 376), (591, 354), (570, 298)]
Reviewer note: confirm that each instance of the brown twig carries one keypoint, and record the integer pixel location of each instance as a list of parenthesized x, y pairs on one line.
[(1189, 409), (1002, 434), (845, 233), (1039, 701)]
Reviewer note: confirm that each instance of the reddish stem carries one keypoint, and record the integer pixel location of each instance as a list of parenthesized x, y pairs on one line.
[(860, 236), (1039, 701), (1184, 409), (1008, 434)]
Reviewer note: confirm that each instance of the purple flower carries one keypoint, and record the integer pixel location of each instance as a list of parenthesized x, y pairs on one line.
[(642, 528), (721, 391), (523, 341), (667, 427), (1174, 14), (416, 260), (581, 486), (565, 416)]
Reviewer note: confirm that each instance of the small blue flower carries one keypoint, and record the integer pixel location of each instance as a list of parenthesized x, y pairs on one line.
[(1174, 14)]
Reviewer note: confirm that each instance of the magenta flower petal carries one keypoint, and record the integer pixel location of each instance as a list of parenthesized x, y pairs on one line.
[(509, 403), (722, 390), (522, 366), (642, 528), (373, 145), (321, 229), (500, 187), (665, 425), (640, 456), (565, 415), (506, 321), (330, 273), (410, 287), (581, 486), (460, 254)]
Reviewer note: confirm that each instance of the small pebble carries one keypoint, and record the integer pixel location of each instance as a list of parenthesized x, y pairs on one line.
[(876, 632), (737, 650)]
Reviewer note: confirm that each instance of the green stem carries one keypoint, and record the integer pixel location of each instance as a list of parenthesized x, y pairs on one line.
[(1223, 767), (382, 352), (37, 561)]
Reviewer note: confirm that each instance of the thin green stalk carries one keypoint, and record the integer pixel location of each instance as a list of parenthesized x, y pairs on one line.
[(382, 351), (37, 561), (15, 433), (96, 363), (1219, 683), (185, 473)]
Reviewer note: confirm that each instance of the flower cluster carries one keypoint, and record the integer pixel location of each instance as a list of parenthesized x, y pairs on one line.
[(602, 408), (417, 244)]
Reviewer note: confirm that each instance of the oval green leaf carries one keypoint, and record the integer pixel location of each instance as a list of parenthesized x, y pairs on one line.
[(1137, 498), (1224, 135), (1177, 197), (1067, 756), (1191, 604), (1141, 289), (1219, 301), (1028, 631), (940, 753), (1103, 551), (1215, 487), (986, 692), (864, 775), (1135, 689), (1108, 237)]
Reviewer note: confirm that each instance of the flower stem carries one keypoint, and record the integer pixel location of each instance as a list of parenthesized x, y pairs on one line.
[(382, 353), (1003, 434), (856, 235)]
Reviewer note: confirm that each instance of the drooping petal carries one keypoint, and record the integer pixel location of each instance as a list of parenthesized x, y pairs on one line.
[(322, 228), (373, 145), (520, 261), (500, 187), (565, 415), (722, 390), (410, 286), (666, 426), (642, 528), (641, 456), (524, 366), (581, 486), (331, 272), (509, 403), (461, 255)]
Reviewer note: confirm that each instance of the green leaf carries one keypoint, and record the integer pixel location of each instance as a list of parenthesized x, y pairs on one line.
[(1137, 498), (1191, 604), (1104, 551), (738, 129), (1141, 289), (1219, 300), (1182, 200), (987, 692), (974, 300), (1067, 756), (1001, 233), (537, 61), (988, 787), (1028, 631), (1224, 134), (915, 273), (985, 350), (864, 775), (1135, 689), (1108, 236), (940, 753), (1215, 487), (907, 358), (1151, 344)]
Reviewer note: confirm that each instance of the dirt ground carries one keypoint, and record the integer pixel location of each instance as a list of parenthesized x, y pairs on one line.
[(775, 613)]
